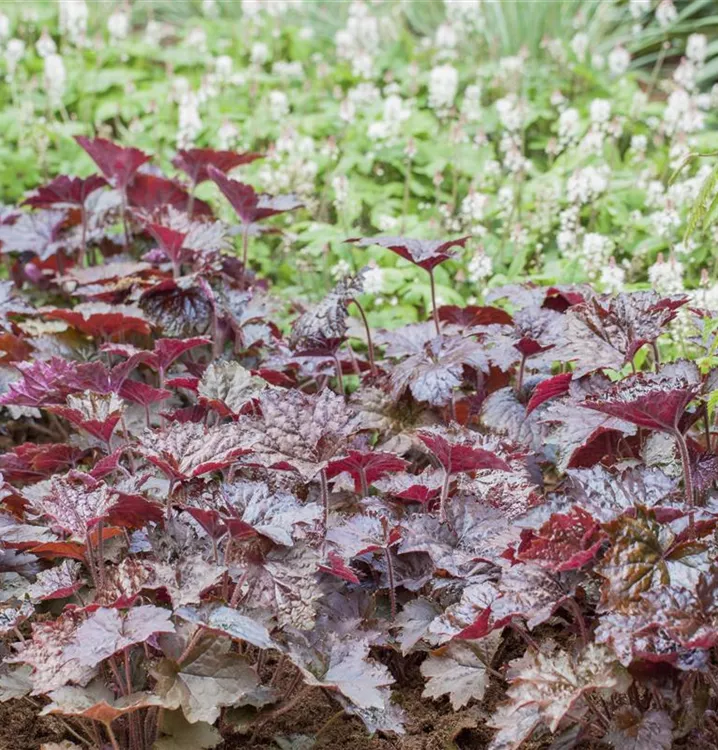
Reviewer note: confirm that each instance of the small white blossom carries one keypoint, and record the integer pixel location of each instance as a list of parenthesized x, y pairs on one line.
[(471, 105), (190, 123), (4, 27), (118, 26), (55, 78), (443, 85), (639, 8), (278, 104), (613, 277), (45, 45), (227, 135), (480, 267), (619, 60), (579, 45), (223, 67), (600, 111), (259, 54), (73, 21), (666, 13), (569, 126), (697, 48), (340, 269), (373, 280), (14, 52), (666, 277)]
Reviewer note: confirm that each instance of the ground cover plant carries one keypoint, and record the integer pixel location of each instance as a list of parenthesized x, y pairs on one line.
[(207, 516), (374, 369)]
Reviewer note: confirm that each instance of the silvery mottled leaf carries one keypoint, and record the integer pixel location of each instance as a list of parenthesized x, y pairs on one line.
[(413, 622), (460, 671), (300, 431), (504, 414), (645, 553), (434, 373), (188, 450), (633, 730), (176, 733), (554, 680), (344, 665), (580, 435), (107, 631), (230, 622), (277, 515), (203, 685), (14, 683), (606, 494), (228, 387), (326, 321), (46, 653)]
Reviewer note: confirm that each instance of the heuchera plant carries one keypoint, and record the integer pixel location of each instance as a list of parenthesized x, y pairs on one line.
[(207, 514)]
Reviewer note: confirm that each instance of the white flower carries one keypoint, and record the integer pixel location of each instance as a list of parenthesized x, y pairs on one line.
[(4, 27), (443, 85), (613, 277), (697, 48), (569, 126), (681, 114), (45, 45), (639, 143), (579, 45), (210, 9), (387, 223), (474, 206), (14, 52), (197, 39), (190, 123), (465, 13), (227, 136), (251, 8), (510, 110), (685, 248), (639, 8), (359, 41), (223, 67), (471, 105), (347, 110), (259, 54), (619, 59), (55, 79), (118, 25), (666, 277), (278, 104), (340, 269), (73, 21), (373, 280), (666, 13), (480, 267), (685, 74), (587, 184), (445, 38), (600, 110), (340, 185)]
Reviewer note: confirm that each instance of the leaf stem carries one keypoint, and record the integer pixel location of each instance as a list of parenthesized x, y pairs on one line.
[(686, 463), (245, 247), (113, 739), (370, 344), (390, 581), (443, 516), (363, 483), (433, 301), (325, 498)]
